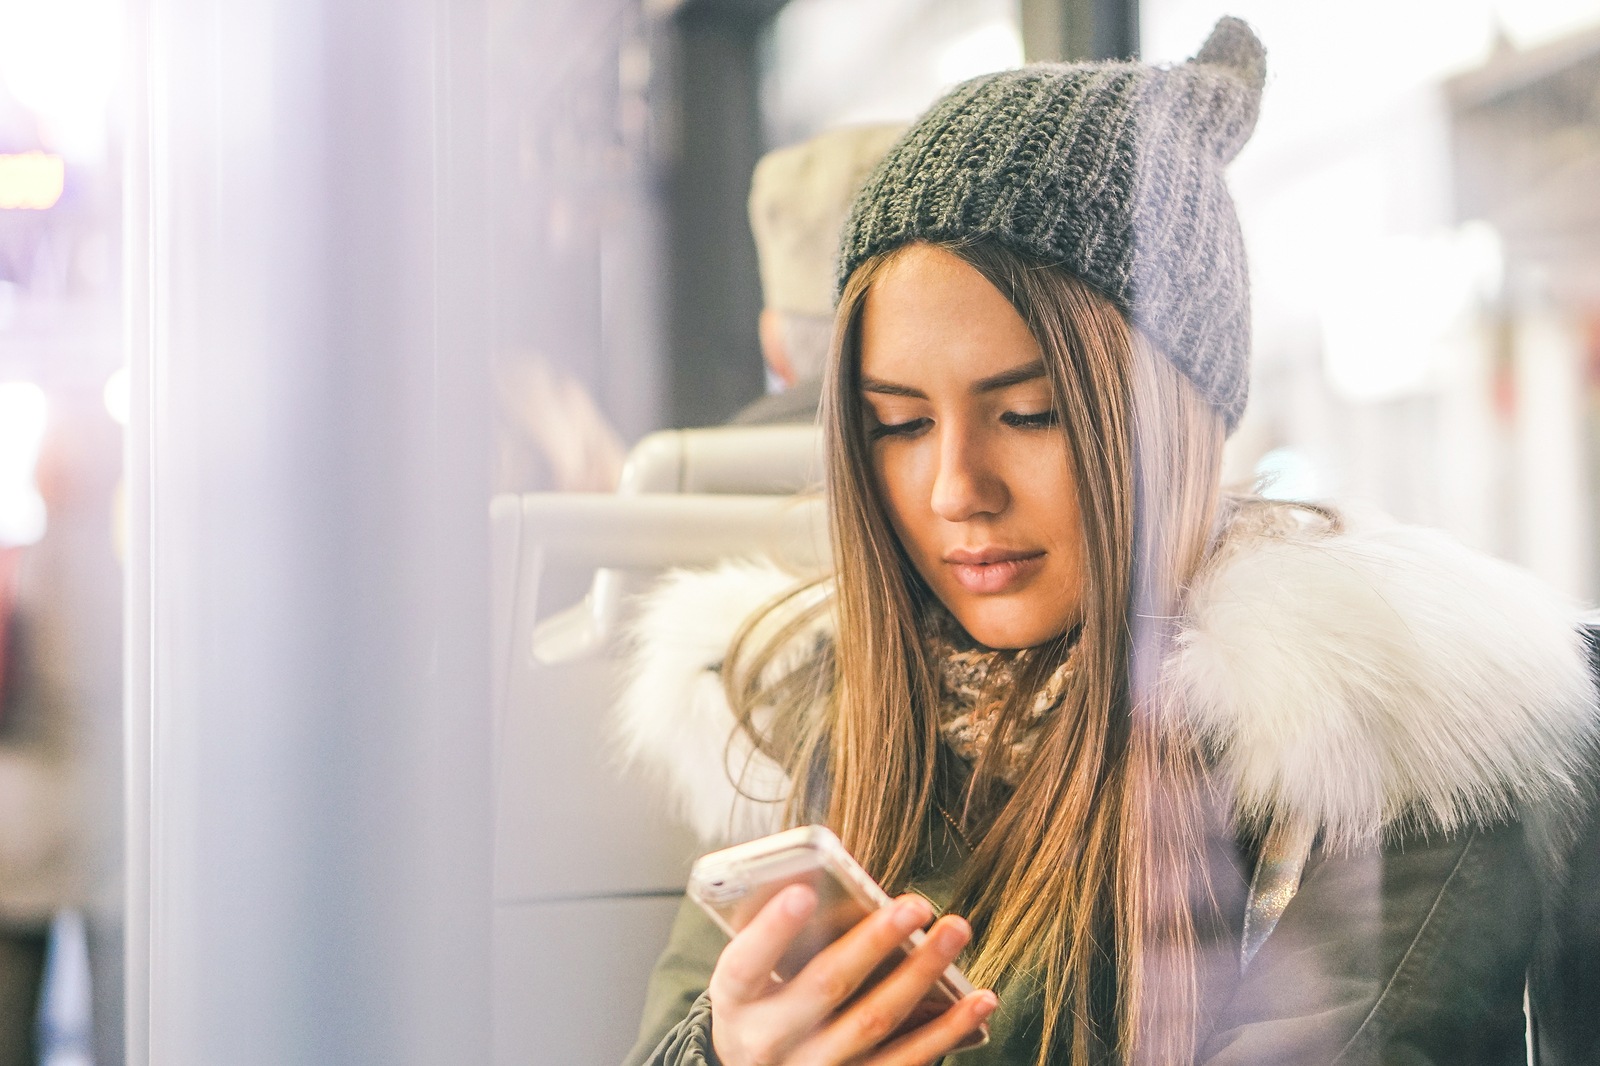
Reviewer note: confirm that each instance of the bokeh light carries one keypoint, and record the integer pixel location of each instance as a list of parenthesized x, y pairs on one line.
[(61, 60), (31, 180), (23, 416)]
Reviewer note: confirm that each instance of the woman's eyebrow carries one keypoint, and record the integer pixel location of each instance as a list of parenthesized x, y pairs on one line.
[(1007, 378), (889, 388), (995, 382)]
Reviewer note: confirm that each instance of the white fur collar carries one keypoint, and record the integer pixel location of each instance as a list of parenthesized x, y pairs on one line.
[(674, 720), (1381, 673), (1385, 674)]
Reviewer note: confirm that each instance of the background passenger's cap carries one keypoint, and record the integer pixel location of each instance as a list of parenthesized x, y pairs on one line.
[(799, 197)]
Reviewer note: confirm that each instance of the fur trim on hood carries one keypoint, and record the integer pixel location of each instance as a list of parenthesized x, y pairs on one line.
[(674, 718), (1380, 676)]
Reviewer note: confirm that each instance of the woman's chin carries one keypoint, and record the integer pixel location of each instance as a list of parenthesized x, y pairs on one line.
[(1010, 627)]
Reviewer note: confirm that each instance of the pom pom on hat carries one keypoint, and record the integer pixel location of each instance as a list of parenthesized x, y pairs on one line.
[(1233, 50)]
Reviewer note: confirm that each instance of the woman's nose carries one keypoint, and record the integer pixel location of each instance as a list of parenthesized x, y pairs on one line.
[(965, 486)]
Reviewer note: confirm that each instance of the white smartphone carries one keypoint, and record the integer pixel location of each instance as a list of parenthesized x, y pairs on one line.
[(733, 884)]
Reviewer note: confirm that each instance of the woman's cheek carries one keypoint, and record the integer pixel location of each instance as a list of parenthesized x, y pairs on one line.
[(903, 486), (1045, 455), (898, 462)]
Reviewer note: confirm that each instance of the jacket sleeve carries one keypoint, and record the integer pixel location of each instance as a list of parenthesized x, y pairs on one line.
[(1564, 983), (675, 1029), (1414, 953)]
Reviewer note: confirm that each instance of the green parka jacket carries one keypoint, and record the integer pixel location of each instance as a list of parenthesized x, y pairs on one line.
[(1431, 711)]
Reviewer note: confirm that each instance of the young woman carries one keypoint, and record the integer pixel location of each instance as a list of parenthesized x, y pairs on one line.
[(1190, 777)]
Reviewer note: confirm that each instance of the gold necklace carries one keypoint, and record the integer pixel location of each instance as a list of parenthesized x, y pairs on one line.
[(955, 827)]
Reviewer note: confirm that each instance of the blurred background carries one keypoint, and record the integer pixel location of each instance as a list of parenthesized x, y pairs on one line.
[(289, 291)]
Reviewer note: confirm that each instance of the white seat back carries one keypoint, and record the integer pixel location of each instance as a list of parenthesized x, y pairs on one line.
[(589, 867)]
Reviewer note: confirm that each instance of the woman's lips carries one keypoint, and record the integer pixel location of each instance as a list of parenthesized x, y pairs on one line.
[(992, 571)]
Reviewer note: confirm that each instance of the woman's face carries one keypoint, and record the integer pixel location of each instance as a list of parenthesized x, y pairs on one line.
[(970, 459)]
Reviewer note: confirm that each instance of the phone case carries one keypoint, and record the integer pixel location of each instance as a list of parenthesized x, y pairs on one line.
[(733, 884)]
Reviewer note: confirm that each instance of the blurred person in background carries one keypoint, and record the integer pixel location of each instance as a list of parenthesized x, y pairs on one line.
[(799, 197), (1185, 776), (32, 798), (40, 842), (48, 678), (552, 436)]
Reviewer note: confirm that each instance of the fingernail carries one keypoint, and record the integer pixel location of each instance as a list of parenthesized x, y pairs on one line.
[(911, 913), (798, 902), (986, 1003), (951, 934)]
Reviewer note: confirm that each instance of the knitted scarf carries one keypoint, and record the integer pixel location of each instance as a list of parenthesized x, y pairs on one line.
[(974, 684)]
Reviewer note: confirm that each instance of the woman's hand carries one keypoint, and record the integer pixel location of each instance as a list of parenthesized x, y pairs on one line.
[(759, 1021)]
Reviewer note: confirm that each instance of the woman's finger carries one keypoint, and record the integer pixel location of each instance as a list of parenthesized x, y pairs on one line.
[(744, 969), (884, 1008), (837, 972), (941, 1036)]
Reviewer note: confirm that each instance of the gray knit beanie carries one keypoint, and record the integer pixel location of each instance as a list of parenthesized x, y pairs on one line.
[(1112, 170)]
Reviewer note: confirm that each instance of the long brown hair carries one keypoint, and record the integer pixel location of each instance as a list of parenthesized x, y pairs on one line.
[(1085, 870)]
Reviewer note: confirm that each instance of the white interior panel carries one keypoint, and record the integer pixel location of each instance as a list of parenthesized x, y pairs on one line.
[(570, 978), (569, 822)]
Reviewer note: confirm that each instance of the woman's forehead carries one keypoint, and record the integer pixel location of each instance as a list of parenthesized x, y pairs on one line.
[(930, 314)]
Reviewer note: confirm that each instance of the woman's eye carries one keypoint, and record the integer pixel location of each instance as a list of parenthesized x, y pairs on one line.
[(899, 429), (1042, 420)]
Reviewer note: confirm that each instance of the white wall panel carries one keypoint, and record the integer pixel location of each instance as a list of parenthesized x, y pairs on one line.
[(309, 727), (554, 1006)]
